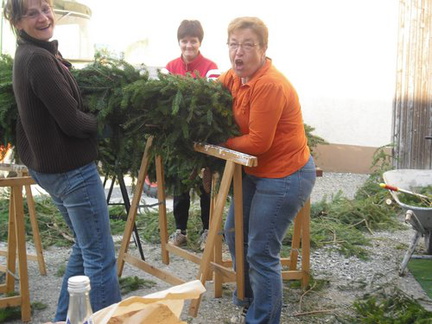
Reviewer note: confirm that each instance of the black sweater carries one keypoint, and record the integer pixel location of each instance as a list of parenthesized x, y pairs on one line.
[(54, 135)]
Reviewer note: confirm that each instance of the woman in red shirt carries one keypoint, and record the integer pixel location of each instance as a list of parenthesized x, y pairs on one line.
[(191, 63)]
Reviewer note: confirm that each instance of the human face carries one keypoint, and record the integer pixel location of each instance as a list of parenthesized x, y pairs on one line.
[(246, 54), (189, 47), (38, 20)]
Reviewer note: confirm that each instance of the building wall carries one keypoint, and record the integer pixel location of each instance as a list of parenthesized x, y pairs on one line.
[(346, 158), (412, 122)]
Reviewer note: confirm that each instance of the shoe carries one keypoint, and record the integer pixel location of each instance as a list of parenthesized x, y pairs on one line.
[(178, 238), (240, 318), (203, 239)]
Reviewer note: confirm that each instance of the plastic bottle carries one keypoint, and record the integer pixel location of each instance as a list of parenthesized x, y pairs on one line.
[(80, 310)]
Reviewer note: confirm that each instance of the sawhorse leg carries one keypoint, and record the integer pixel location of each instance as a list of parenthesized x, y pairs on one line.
[(126, 204), (300, 240), (17, 244), (132, 212), (232, 171), (35, 230)]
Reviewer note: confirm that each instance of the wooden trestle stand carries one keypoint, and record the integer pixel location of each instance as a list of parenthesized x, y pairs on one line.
[(211, 259), (16, 246), (22, 171)]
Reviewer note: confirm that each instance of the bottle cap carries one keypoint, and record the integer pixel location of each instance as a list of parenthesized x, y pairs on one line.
[(78, 284)]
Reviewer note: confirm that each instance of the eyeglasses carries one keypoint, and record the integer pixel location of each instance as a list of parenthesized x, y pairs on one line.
[(247, 47), (33, 13)]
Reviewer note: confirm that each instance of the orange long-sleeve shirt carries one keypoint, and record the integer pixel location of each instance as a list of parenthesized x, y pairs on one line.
[(267, 110)]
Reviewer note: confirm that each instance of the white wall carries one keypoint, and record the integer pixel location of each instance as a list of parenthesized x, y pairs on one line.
[(339, 54), (7, 38)]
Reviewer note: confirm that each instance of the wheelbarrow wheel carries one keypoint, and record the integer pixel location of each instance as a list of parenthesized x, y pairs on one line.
[(428, 242)]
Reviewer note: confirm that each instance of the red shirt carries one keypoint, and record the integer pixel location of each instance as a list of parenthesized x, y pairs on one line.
[(267, 111), (200, 64)]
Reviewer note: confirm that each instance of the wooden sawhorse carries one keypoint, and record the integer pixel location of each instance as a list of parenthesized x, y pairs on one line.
[(16, 245), (222, 269), (233, 169), (21, 170), (211, 259), (124, 256)]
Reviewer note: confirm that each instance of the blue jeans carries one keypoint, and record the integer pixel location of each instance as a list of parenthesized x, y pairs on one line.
[(269, 207), (80, 197)]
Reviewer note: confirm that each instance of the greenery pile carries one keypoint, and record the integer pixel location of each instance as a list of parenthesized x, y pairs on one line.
[(343, 223), (53, 229), (423, 201), (129, 284), (387, 305)]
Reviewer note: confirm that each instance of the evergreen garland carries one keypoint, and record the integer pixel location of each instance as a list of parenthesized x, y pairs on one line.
[(177, 111)]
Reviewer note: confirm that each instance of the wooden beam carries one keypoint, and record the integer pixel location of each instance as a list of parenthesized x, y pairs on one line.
[(13, 182), (18, 168), (227, 154)]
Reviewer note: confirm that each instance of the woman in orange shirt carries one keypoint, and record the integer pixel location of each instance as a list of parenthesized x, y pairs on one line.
[(267, 110)]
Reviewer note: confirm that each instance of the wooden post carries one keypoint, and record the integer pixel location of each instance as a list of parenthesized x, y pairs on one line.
[(163, 223), (211, 238), (134, 207), (239, 234)]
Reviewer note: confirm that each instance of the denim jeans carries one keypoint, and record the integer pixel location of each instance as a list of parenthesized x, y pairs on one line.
[(269, 207), (80, 197)]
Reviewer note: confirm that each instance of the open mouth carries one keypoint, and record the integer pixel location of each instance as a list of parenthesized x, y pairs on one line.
[(44, 27), (239, 63)]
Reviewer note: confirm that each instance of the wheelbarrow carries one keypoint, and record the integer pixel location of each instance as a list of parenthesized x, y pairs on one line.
[(420, 218)]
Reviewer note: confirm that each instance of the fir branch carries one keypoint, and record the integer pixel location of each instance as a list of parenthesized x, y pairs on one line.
[(8, 106)]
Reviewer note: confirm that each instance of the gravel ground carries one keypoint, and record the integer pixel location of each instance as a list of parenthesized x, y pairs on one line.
[(346, 278)]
